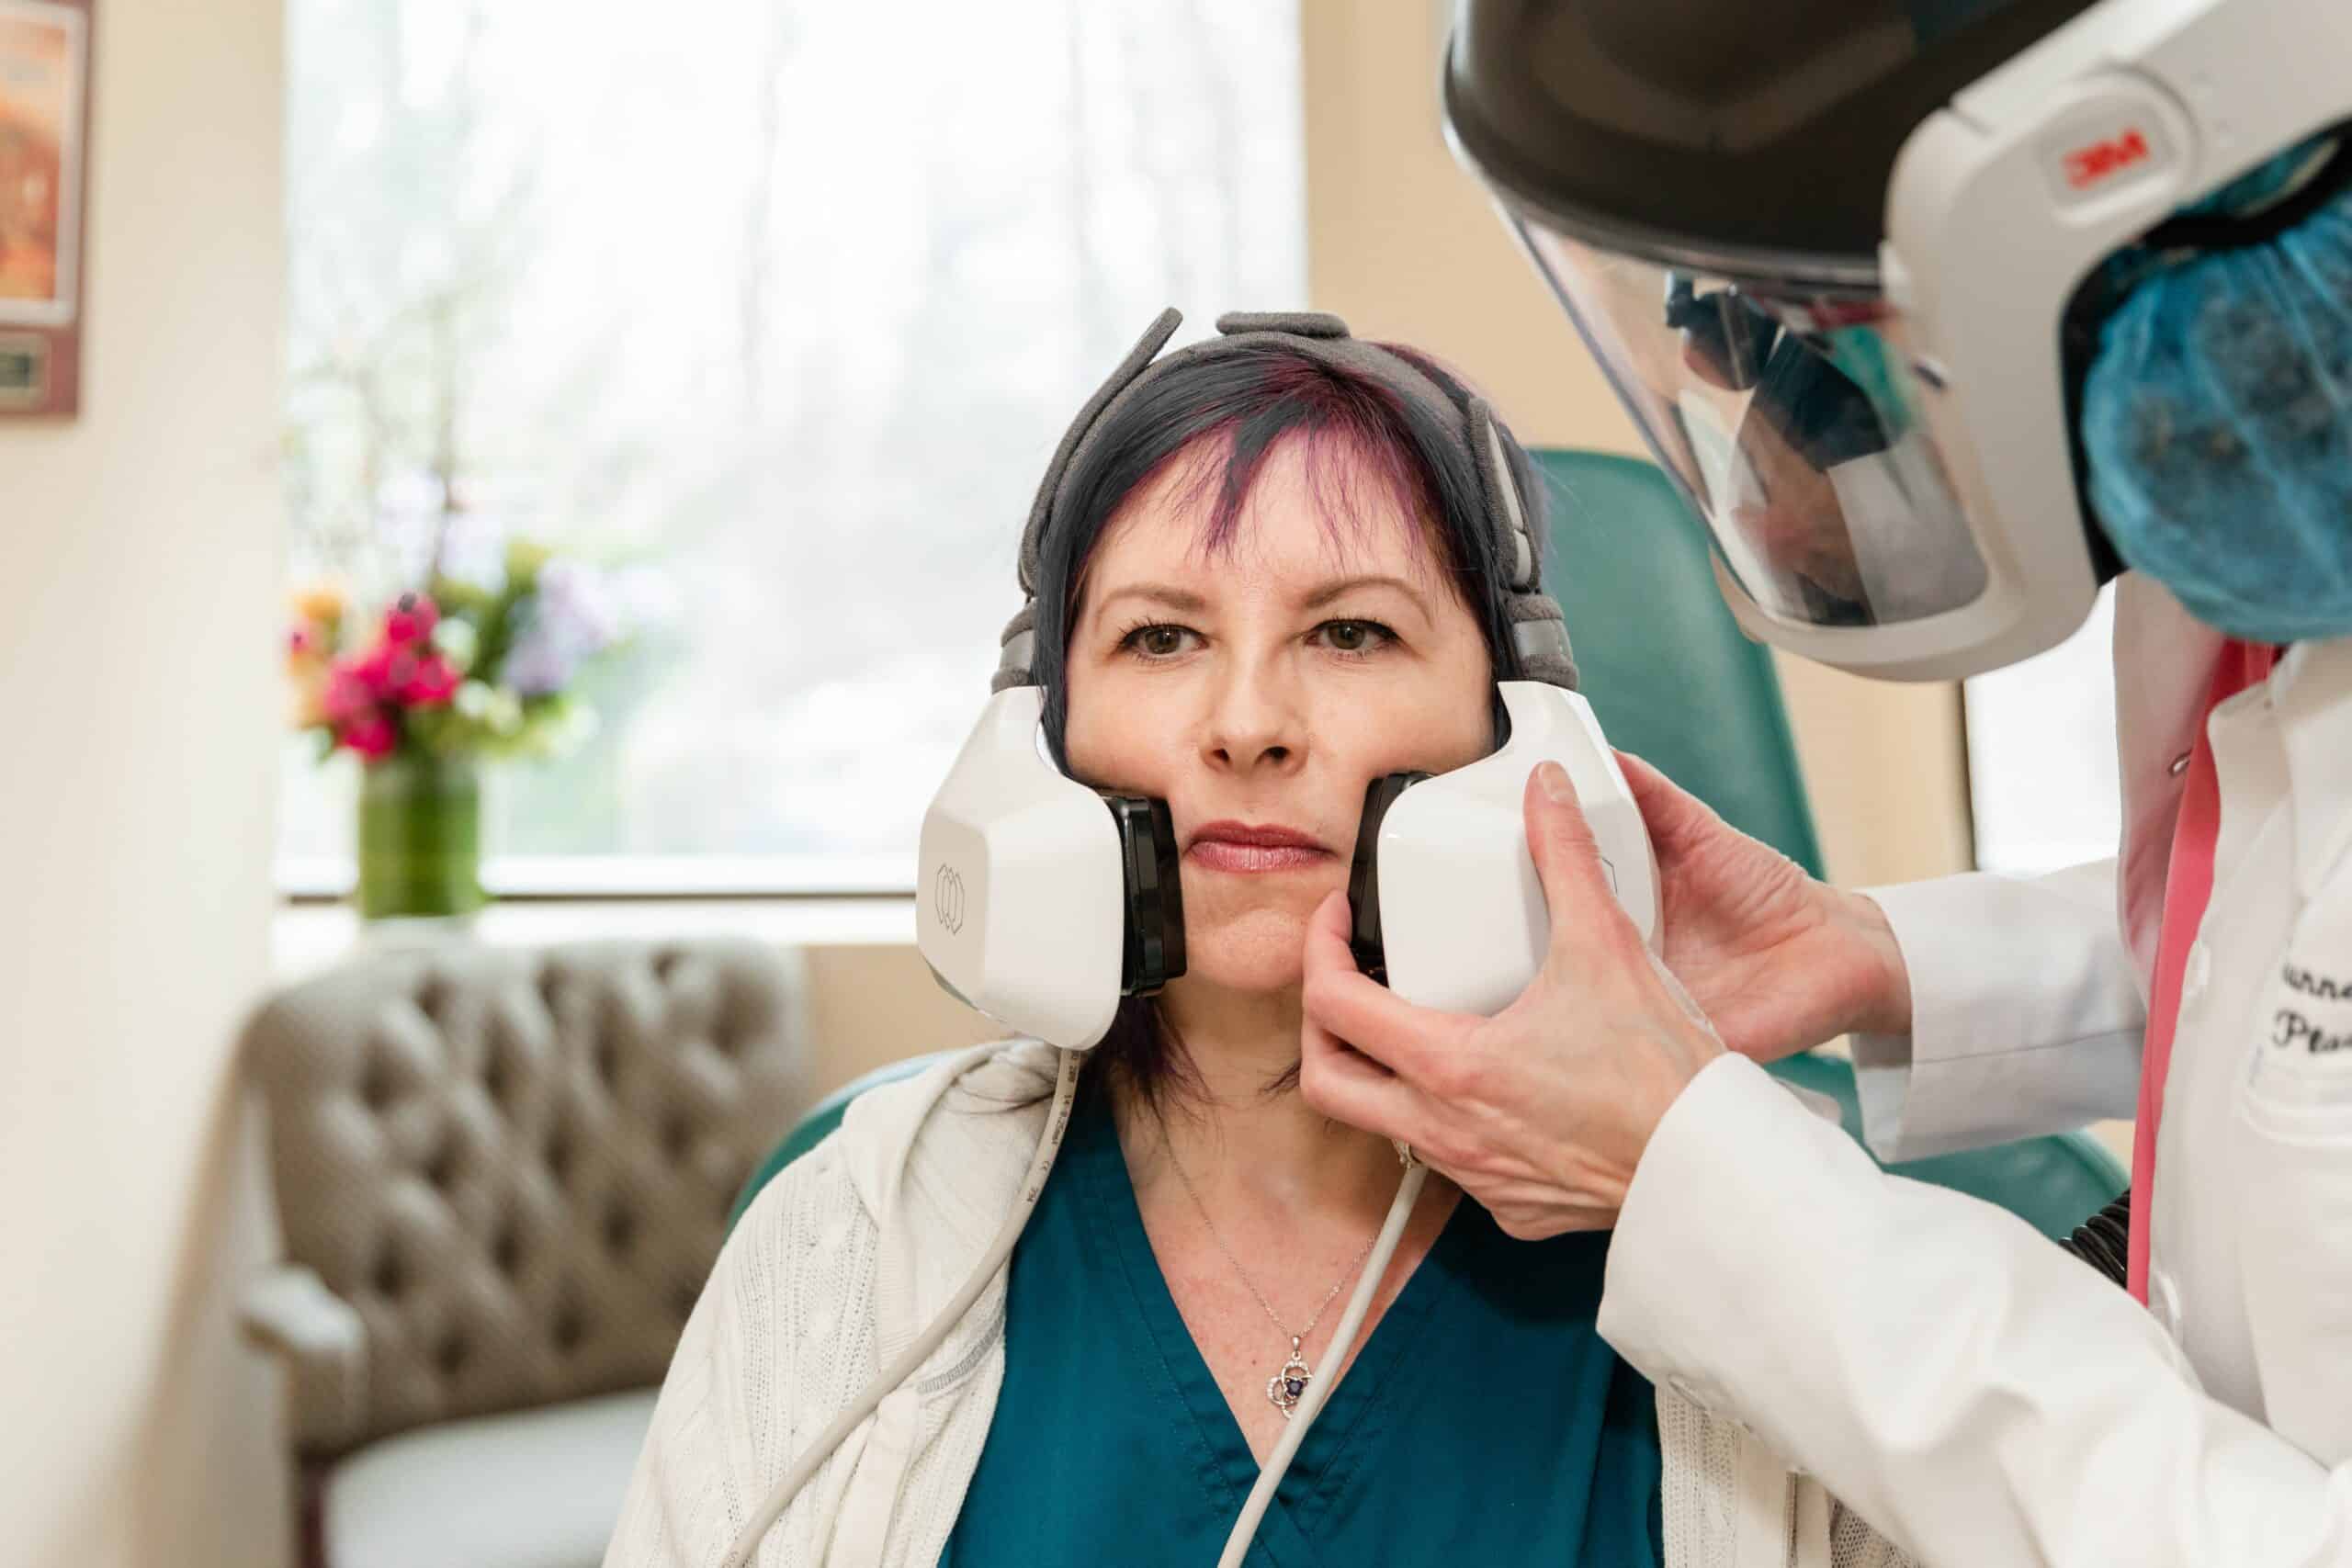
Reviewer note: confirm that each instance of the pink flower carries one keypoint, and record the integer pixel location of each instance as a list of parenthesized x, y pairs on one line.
[(421, 682), (360, 695), (373, 670), (411, 620), (350, 696), (371, 736)]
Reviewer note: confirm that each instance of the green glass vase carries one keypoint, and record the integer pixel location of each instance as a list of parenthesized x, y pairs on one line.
[(420, 837)]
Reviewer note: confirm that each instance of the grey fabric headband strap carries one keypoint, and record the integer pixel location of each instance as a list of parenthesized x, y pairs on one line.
[(1539, 634)]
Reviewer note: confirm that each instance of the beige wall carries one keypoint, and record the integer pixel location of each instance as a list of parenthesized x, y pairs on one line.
[(1403, 244), (870, 1005), (138, 693)]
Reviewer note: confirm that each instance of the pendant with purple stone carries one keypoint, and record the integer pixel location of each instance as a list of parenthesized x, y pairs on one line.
[(1287, 1387)]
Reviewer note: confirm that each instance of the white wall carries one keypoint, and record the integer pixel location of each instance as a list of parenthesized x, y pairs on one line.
[(1401, 242), (139, 605)]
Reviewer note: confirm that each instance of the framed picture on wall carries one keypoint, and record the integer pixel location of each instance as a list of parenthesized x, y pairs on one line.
[(44, 144)]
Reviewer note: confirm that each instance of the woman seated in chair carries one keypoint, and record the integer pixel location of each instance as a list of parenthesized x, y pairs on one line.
[(1269, 573)]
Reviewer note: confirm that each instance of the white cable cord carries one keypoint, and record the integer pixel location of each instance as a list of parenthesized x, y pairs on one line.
[(811, 1458), (1319, 1389)]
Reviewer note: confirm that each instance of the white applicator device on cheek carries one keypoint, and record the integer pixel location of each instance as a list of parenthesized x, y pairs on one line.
[(1447, 906)]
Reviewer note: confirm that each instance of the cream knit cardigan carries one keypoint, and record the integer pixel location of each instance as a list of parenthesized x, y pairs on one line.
[(848, 1253)]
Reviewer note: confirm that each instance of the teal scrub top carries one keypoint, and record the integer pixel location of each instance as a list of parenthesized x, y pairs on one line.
[(1484, 1421)]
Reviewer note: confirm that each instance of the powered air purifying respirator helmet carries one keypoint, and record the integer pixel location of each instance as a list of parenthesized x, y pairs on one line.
[(1043, 902), (1847, 264)]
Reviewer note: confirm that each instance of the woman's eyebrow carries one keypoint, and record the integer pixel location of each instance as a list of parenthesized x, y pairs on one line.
[(1339, 587), (1186, 602), (1178, 599)]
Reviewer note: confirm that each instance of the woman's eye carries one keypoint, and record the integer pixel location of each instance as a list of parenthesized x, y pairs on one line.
[(1157, 642), (1355, 637)]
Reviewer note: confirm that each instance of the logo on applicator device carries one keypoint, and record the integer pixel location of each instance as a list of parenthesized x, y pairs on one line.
[(947, 898)]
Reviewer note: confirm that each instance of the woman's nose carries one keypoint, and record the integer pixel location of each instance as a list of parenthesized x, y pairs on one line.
[(1255, 721)]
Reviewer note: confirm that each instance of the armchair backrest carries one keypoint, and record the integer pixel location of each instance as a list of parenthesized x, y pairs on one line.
[(515, 1167)]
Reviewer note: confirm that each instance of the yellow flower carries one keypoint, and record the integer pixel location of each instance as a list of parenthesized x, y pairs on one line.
[(320, 602), (308, 707)]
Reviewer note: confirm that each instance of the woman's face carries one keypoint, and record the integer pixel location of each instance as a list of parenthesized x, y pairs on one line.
[(1261, 688)]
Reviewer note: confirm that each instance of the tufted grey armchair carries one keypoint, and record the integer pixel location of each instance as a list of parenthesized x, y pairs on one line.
[(502, 1178)]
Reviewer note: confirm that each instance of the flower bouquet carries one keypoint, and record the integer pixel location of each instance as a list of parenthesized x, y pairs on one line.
[(442, 680)]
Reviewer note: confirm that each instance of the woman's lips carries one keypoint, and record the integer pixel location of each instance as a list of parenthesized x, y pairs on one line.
[(1222, 854), (1245, 847)]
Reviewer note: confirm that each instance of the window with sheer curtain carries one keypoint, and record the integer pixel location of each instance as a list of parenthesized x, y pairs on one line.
[(774, 310)]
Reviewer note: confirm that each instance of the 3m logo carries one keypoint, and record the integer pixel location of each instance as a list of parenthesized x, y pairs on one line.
[(2102, 160), (2110, 153), (947, 898)]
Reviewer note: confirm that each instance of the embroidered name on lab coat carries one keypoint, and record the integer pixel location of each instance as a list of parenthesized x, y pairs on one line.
[(2317, 1017), (2306, 1019)]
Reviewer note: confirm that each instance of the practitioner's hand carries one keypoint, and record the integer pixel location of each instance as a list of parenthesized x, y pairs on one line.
[(1777, 961), (1542, 1111)]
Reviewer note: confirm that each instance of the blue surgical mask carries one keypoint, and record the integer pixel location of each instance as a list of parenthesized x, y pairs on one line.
[(2216, 426)]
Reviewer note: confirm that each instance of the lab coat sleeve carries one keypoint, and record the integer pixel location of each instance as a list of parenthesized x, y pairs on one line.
[(1977, 1395), (2026, 1013)]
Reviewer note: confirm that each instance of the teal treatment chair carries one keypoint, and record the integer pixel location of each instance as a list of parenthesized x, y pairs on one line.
[(1675, 681)]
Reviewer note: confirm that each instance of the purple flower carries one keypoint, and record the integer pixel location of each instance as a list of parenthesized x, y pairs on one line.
[(539, 664), (570, 619), (580, 599)]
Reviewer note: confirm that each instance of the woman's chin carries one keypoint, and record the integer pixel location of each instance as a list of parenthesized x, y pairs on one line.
[(1260, 953)]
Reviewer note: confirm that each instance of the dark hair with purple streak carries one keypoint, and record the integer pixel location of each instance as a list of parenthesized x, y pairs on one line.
[(1239, 406)]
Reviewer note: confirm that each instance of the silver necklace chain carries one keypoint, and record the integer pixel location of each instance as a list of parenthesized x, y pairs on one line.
[(1285, 1387)]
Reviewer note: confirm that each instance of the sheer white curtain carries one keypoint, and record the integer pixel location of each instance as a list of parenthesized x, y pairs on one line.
[(791, 300)]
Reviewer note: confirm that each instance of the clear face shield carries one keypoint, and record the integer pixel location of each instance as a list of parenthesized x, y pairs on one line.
[(1792, 422)]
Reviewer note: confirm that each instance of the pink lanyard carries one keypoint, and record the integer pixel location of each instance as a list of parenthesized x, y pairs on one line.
[(2189, 885)]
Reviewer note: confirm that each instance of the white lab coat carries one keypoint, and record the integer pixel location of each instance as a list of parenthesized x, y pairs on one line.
[(1976, 1394)]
